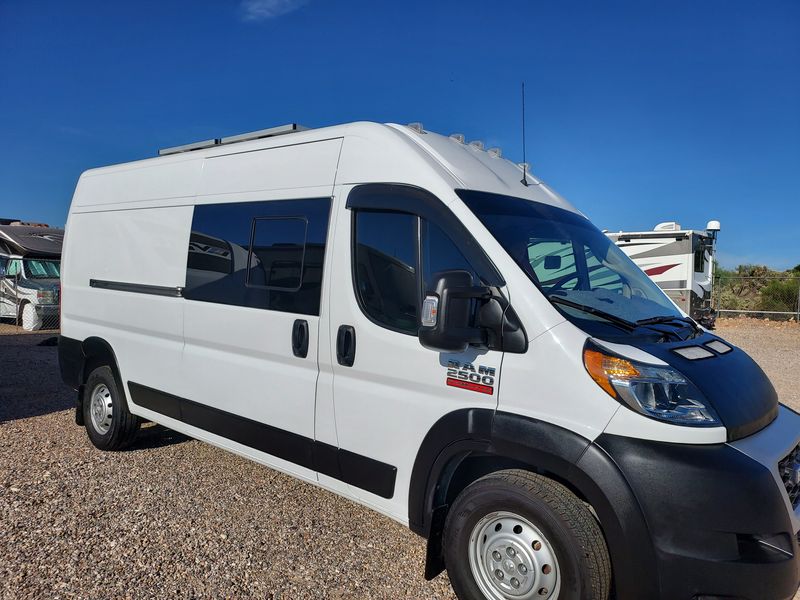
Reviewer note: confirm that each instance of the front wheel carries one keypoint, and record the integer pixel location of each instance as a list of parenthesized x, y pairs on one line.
[(31, 320), (516, 535)]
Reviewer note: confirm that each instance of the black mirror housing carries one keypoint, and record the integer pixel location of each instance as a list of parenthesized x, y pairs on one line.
[(447, 312)]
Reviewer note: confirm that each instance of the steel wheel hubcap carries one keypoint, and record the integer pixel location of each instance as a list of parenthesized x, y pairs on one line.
[(511, 559), (101, 409)]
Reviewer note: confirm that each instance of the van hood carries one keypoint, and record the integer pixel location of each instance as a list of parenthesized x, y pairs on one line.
[(40, 284), (735, 386)]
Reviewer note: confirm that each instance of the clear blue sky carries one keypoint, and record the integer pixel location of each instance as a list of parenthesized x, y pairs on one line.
[(638, 112)]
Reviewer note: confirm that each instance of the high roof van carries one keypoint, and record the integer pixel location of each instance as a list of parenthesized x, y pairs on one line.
[(425, 327)]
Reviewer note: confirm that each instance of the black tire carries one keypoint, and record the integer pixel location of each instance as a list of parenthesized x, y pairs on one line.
[(566, 522), (123, 425)]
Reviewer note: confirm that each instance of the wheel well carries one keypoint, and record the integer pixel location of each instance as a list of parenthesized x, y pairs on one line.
[(97, 353), (22, 306), (467, 469)]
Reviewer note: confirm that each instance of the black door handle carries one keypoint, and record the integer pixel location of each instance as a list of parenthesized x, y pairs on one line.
[(300, 338), (346, 345)]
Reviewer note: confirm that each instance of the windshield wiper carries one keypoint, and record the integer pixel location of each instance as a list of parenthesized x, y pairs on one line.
[(619, 321), (666, 319)]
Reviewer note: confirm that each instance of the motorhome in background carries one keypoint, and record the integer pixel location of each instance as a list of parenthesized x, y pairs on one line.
[(30, 264), (680, 261)]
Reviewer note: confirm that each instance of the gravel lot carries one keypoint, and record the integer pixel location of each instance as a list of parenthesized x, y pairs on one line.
[(175, 518)]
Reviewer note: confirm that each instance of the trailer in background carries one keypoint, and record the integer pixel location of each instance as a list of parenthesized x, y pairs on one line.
[(680, 261)]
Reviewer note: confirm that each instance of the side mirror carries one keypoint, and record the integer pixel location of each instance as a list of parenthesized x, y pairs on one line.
[(446, 313)]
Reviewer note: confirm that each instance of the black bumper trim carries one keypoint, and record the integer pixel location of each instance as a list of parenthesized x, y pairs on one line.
[(707, 508)]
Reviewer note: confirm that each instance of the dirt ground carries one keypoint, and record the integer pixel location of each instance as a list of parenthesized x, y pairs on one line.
[(176, 518)]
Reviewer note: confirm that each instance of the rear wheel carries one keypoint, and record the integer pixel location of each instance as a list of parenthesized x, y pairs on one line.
[(109, 423), (516, 535)]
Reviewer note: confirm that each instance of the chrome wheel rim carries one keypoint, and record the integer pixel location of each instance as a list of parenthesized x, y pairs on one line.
[(101, 409), (511, 559)]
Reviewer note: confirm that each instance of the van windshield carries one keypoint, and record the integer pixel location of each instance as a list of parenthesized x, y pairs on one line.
[(578, 268), (37, 268)]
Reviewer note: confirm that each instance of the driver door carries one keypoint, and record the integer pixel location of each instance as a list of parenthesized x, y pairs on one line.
[(391, 391)]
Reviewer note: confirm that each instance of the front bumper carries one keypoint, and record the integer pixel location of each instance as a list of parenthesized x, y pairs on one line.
[(47, 310), (719, 517)]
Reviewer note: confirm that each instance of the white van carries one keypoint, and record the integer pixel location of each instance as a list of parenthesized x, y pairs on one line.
[(371, 308)]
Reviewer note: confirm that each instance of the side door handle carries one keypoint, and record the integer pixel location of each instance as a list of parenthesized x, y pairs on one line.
[(300, 338), (346, 345)]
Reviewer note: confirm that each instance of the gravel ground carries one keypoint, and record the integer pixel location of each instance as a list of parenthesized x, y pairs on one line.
[(175, 518)]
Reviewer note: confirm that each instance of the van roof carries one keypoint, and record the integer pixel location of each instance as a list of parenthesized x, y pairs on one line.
[(464, 165)]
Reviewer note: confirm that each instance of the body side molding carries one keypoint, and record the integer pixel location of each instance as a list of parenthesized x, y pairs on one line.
[(354, 469), (137, 288)]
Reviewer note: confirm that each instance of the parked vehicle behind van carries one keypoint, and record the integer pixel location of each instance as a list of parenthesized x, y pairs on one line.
[(29, 275), (424, 327)]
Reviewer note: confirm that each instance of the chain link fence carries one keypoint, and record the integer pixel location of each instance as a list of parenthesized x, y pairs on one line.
[(28, 306), (766, 297)]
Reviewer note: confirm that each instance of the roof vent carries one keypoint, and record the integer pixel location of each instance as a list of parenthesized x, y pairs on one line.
[(416, 127), (459, 137), (477, 144), (668, 226), (495, 152)]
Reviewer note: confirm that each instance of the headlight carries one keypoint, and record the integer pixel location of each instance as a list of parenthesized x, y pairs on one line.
[(654, 391), (45, 296)]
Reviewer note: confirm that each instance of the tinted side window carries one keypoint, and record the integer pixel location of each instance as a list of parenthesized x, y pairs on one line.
[(385, 269), (439, 253), (277, 251), (259, 254)]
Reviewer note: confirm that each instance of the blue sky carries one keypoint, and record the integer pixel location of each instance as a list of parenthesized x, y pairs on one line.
[(638, 112)]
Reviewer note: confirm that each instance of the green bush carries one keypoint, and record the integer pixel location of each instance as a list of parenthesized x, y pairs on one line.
[(780, 295)]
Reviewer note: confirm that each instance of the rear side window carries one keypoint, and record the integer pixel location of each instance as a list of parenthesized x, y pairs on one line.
[(277, 250), (266, 255)]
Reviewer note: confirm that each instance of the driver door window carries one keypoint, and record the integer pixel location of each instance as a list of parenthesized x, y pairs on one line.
[(395, 266)]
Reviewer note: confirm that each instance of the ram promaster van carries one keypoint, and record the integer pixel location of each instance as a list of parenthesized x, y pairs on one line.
[(373, 309)]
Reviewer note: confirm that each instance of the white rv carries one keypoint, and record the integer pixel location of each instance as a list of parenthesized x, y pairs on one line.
[(29, 274), (680, 261), (387, 313)]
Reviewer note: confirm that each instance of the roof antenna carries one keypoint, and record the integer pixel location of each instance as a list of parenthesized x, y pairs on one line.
[(524, 180)]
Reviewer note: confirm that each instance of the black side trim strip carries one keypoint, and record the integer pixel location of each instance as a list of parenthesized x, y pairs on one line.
[(360, 471), (136, 288)]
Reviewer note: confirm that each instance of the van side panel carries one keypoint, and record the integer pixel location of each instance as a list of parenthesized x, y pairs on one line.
[(172, 179), (145, 247), (287, 167)]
